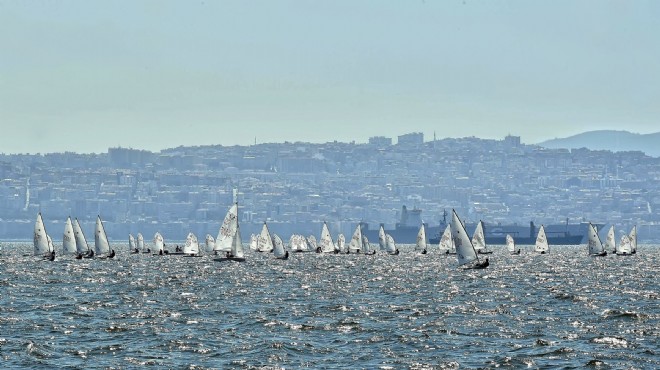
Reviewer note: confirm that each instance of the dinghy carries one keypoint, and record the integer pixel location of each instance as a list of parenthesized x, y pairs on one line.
[(511, 245), (390, 246), (140, 244), (229, 238), (625, 246), (633, 240), (465, 253), (382, 238), (479, 240), (159, 245), (541, 245), (265, 240), (610, 241), (101, 244), (81, 242), (595, 246), (278, 250), (41, 247), (341, 244), (447, 242), (131, 244), (326, 245), (355, 244), (210, 243), (191, 248), (68, 239), (420, 244)]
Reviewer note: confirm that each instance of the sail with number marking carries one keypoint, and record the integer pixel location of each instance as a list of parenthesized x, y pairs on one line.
[(68, 239), (227, 232)]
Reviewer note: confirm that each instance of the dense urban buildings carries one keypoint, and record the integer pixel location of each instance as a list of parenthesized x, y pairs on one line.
[(297, 186)]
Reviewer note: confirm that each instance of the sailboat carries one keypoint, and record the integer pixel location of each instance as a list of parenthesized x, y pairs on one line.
[(101, 243), (420, 245), (625, 246), (41, 247), (326, 245), (68, 240), (226, 234), (465, 252), (297, 243), (633, 240), (447, 242), (253, 242), (341, 243), (595, 246), (229, 238), (610, 241), (131, 244), (159, 244), (279, 251), (81, 243), (210, 243), (355, 245), (311, 243), (541, 245), (511, 245), (265, 240), (191, 248), (382, 239), (479, 240), (140, 244), (390, 246), (366, 247)]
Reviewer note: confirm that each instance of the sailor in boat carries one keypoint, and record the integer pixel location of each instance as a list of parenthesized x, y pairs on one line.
[(52, 256), (178, 249), (482, 265), (79, 256), (318, 250), (229, 255), (284, 257), (424, 251), (135, 251), (112, 254)]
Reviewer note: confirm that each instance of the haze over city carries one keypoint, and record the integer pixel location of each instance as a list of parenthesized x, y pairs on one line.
[(85, 76)]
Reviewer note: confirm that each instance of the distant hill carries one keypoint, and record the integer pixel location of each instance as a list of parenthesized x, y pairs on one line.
[(616, 141)]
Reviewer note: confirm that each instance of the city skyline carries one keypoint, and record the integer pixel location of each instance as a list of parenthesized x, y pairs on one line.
[(85, 77)]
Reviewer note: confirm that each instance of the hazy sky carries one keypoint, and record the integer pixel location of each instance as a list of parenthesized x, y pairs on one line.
[(87, 75)]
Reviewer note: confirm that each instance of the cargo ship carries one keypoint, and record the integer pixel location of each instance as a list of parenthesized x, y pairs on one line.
[(405, 231)]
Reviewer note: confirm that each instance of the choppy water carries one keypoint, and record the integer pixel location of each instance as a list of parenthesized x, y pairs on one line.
[(562, 310)]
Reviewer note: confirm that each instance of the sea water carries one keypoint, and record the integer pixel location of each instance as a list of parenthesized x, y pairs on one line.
[(560, 310)]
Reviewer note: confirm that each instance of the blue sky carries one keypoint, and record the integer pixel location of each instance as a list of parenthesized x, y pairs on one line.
[(87, 75)]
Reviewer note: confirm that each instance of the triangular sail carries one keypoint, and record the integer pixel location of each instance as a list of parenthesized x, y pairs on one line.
[(311, 243), (51, 247), (265, 240), (101, 244), (227, 231), (390, 245), (140, 242), (510, 243), (326, 243), (356, 240), (478, 239), (159, 243), (420, 244), (341, 243), (81, 242), (625, 246), (237, 243), (40, 237), (192, 245), (278, 250), (366, 247), (210, 243), (446, 241), (633, 239), (382, 238), (131, 242), (610, 240), (595, 245), (253, 242), (541, 245), (465, 251), (68, 239)]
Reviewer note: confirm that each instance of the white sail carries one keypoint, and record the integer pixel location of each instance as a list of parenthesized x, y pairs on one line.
[(265, 240), (227, 232), (478, 239), (366, 247), (278, 250), (311, 243), (610, 240), (390, 246), (356, 240), (51, 247), (341, 243), (420, 244), (81, 242), (294, 243), (192, 245), (595, 245), (382, 238), (131, 242), (326, 243), (237, 243), (210, 243), (159, 243), (68, 239), (446, 241), (101, 244), (625, 246), (633, 239), (541, 245), (465, 251), (140, 242), (510, 243), (253, 242), (40, 237)]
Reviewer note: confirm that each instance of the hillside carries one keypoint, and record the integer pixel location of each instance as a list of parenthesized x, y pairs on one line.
[(615, 141)]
